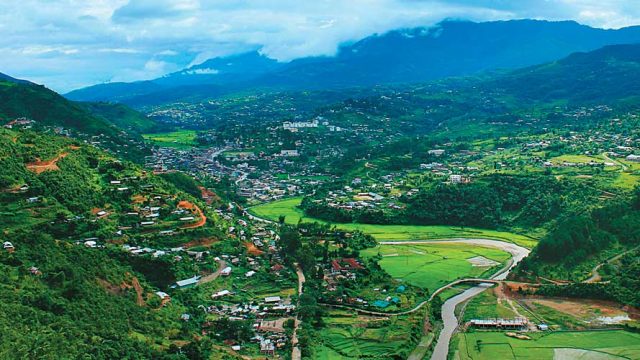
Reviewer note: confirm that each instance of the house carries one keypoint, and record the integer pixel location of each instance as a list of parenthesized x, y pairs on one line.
[(276, 326), (635, 158), (187, 282), (272, 299), (220, 294), (290, 153), (267, 347), (226, 271), (8, 246), (455, 179), (345, 265), (436, 152)]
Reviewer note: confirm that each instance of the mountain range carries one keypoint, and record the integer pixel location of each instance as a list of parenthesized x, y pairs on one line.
[(452, 48)]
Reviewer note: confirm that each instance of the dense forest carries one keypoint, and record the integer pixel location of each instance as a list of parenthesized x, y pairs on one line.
[(490, 202)]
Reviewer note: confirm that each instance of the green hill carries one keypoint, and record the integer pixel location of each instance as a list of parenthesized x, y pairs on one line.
[(609, 74), (62, 299), (122, 116), (50, 111)]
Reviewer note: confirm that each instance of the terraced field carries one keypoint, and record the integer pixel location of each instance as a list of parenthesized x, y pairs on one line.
[(349, 336)]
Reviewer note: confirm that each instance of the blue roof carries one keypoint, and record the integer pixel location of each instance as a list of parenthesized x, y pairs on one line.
[(381, 303), (401, 289)]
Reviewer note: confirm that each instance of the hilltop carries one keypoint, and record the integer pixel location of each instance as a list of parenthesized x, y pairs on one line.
[(44, 109)]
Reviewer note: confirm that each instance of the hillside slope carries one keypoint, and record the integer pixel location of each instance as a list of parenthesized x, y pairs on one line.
[(61, 296)]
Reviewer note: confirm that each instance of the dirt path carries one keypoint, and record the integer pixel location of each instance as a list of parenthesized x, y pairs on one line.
[(595, 275), (197, 211), (138, 288), (209, 278), (40, 166), (607, 158), (295, 352)]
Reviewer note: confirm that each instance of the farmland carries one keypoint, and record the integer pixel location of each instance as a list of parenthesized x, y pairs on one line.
[(289, 209), (557, 345), (434, 265), (350, 336)]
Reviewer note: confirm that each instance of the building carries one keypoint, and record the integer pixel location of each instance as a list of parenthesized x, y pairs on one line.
[(187, 282), (455, 179), (499, 324), (267, 347), (272, 299), (635, 158)]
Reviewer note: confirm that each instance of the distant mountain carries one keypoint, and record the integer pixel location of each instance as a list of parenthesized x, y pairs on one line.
[(452, 48), (48, 109), (5, 77), (204, 78), (609, 74)]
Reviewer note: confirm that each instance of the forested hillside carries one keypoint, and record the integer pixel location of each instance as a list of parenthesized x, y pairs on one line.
[(50, 111)]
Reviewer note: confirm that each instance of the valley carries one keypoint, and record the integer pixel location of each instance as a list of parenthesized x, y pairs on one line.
[(381, 203)]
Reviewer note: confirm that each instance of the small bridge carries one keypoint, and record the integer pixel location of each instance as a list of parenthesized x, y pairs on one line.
[(417, 307), (462, 281)]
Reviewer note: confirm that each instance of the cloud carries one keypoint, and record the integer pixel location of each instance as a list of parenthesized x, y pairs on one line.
[(72, 43)]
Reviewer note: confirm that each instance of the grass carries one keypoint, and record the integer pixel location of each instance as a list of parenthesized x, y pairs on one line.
[(597, 344), (431, 266), (181, 139), (486, 306), (576, 159), (293, 214)]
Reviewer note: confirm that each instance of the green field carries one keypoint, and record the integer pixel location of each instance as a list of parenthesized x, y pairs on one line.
[(434, 265), (486, 306), (594, 345), (288, 208), (181, 139)]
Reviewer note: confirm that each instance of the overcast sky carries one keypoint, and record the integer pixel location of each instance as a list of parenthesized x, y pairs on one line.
[(66, 44)]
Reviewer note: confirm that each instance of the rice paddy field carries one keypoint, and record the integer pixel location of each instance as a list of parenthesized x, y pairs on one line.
[(289, 209), (431, 266), (587, 345)]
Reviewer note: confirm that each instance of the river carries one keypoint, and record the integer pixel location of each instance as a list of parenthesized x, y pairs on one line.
[(448, 308)]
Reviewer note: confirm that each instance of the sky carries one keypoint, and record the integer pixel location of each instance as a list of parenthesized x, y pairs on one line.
[(68, 44)]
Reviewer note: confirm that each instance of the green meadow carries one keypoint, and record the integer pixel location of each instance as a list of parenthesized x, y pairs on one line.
[(431, 266), (601, 345), (293, 214), (181, 139)]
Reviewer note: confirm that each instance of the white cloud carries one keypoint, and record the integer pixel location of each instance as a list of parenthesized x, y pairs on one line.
[(72, 43)]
